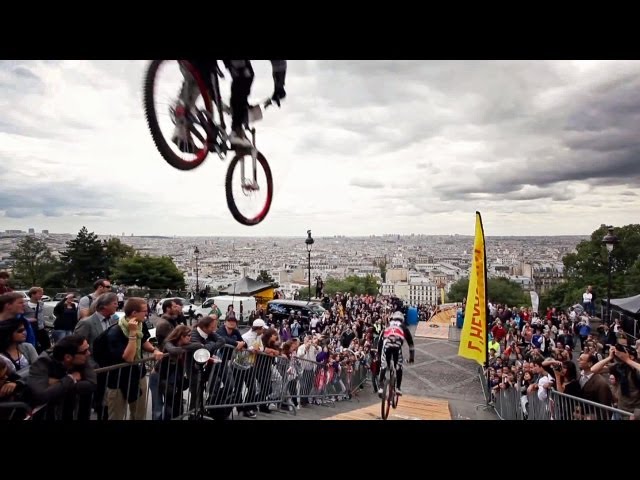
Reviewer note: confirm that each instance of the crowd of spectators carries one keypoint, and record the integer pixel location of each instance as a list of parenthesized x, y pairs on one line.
[(559, 351)]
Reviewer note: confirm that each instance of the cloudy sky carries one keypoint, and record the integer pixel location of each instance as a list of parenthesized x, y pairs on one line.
[(359, 147)]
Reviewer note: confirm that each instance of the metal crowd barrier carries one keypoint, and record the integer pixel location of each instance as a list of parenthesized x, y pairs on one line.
[(11, 411), (322, 383), (485, 385), (507, 404), (512, 404), (176, 387)]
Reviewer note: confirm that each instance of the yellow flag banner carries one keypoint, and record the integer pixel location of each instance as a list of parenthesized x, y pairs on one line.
[(473, 338)]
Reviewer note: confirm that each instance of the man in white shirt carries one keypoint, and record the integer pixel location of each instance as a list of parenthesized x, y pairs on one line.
[(120, 300), (587, 300), (314, 323), (544, 382), (307, 357)]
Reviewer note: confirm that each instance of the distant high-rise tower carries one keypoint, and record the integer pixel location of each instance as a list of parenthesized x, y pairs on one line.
[(45, 232), (32, 231)]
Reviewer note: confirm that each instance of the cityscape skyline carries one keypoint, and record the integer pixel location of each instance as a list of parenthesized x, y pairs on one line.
[(358, 148), (127, 235), (415, 264)]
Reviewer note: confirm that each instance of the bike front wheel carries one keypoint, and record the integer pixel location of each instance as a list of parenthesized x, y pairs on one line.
[(249, 204), (163, 81)]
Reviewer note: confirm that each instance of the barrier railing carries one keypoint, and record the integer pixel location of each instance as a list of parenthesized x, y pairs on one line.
[(14, 411), (506, 403), (177, 387), (512, 403), (485, 385)]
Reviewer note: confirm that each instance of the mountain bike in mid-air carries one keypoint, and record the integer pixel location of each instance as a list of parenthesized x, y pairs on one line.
[(248, 183)]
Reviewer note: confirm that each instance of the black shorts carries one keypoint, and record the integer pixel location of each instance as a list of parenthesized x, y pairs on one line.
[(388, 352)]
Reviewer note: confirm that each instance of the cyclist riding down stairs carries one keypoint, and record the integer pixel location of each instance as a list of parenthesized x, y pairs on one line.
[(390, 344), (241, 80)]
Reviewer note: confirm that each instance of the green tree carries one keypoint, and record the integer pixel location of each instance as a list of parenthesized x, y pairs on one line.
[(115, 250), (352, 284), (33, 262), (83, 259), (499, 290), (266, 278), (458, 290), (56, 276), (382, 265), (150, 272), (304, 293), (589, 266)]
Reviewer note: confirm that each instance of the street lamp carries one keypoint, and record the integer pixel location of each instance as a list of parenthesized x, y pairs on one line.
[(309, 243), (610, 240), (196, 252)]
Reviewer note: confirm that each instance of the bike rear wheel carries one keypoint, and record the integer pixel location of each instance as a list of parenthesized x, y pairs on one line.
[(388, 390), (393, 397), (233, 197), (152, 113)]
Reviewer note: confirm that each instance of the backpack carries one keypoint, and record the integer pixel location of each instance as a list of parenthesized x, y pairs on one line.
[(100, 351)]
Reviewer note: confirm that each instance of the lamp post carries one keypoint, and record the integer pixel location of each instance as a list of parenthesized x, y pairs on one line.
[(309, 243), (196, 252), (610, 240)]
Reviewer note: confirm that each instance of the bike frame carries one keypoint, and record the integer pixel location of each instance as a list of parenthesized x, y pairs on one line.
[(217, 99), (391, 397)]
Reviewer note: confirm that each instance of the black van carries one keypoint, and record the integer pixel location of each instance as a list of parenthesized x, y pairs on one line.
[(280, 309)]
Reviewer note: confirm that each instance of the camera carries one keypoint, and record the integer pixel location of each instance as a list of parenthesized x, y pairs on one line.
[(620, 347), (556, 367)]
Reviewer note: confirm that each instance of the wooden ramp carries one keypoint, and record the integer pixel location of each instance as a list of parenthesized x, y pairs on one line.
[(437, 326), (409, 408)]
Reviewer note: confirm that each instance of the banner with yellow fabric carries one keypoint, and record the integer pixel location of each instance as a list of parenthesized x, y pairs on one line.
[(473, 338)]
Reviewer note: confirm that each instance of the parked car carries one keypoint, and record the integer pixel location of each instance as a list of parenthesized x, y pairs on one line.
[(61, 296), (25, 293), (281, 309), (243, 306)]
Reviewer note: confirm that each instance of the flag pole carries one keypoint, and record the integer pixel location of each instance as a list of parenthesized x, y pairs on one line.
[(486, 310)]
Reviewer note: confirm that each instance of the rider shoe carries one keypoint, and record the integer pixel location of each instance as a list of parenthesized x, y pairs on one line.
[(380, 391), (238, 139), (398, 391)]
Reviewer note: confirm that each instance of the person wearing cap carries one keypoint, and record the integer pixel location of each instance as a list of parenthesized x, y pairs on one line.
[(253, 339)]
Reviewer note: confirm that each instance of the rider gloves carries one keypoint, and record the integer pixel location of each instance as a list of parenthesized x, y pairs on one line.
[(278, 87), (411, 356)]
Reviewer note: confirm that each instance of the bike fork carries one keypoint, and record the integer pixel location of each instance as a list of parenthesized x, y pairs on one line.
[(253, 184)]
